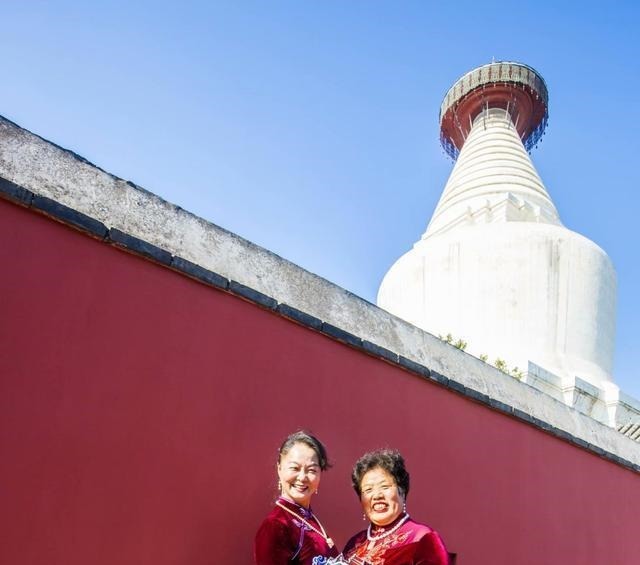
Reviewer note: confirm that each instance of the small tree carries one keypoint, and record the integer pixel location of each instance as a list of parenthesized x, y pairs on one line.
[(460, 344), (501, 365)]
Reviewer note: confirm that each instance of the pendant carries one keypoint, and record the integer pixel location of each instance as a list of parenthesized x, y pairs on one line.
[(330, 543)]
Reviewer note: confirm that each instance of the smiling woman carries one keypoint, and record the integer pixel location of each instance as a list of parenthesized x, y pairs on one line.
[(291, 533), (392, 538)]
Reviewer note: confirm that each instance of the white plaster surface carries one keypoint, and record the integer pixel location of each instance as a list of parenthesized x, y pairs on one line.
[(493, 180), (497, 268), (51, 171)]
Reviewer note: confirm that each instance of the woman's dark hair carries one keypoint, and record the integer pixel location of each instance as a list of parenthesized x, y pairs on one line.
[(310, 441), (388, 460)]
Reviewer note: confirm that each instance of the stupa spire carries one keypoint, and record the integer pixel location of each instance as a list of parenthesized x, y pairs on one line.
[(493, 179)]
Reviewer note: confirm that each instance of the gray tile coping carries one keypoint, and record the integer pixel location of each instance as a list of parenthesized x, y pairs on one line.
[(50, 180)]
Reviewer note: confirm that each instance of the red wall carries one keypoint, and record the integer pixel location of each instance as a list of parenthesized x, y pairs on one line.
[(140, 413)]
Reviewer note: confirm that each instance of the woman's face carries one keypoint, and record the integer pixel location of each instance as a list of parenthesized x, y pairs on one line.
[(299, 474), (381, 499)]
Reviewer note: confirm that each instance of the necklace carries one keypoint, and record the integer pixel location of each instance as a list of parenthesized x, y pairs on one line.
[(310, 526), (374, 539)]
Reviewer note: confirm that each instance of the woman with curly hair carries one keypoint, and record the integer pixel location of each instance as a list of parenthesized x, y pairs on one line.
[(381, 481)]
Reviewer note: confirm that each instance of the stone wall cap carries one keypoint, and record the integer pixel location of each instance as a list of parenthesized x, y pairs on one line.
[(152, 227)]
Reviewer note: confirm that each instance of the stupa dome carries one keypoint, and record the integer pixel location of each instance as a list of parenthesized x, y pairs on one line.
[(495, 266)]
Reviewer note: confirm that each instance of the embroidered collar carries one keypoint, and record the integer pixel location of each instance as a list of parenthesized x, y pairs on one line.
[(384, 530), (304, 512)]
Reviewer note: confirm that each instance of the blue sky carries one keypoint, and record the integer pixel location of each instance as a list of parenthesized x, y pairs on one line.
[(311, 127)]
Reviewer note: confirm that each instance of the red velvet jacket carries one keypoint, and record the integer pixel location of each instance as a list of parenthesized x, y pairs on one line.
[(411, 544), (282, 539)]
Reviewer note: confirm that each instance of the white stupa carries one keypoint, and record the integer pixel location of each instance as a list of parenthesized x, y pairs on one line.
[(495, 266)]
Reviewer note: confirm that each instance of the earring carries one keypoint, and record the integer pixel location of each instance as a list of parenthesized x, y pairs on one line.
[(364, 517), (317, 491), (279, 486), (404, 507)]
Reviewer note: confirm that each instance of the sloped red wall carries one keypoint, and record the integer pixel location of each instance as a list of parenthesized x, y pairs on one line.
[(140, 413)]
